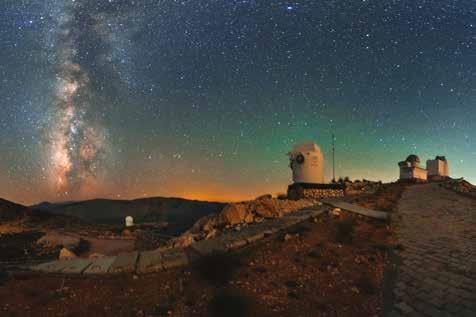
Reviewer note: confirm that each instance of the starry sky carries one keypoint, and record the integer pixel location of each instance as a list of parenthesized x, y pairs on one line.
[(203, 98)]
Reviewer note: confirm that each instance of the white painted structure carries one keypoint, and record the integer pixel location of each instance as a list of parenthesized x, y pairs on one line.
[(410, 169), (307, 163), (438, 167), (129, 221)]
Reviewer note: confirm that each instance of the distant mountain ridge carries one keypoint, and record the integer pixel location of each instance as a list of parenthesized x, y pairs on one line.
[(11, 211), (180, 213)]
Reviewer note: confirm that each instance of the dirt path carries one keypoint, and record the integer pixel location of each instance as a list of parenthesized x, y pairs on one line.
[(437, 271)]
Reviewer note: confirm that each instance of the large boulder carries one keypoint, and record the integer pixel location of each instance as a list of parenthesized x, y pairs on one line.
[(233, 214), (55, 239), (268, 208), (66, 254)]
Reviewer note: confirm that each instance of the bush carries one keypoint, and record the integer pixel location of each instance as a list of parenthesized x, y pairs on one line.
[(282, 196), (230, 304), (217, 268), (345, 230), (299, 229), (366, 285), (82, 247), (4, 276)]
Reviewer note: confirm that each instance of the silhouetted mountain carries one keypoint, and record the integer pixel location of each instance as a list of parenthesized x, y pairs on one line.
[(12, 211), (180, 213)]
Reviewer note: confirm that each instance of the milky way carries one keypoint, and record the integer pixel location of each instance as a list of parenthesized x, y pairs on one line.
[(76, 142)]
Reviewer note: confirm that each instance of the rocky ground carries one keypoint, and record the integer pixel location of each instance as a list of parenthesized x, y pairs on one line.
[(419, 264), (235, 216), (332, 266)]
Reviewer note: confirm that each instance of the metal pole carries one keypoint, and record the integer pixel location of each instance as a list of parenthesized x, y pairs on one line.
[(333, 159)]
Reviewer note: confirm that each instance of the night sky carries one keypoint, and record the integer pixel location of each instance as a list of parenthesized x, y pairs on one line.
[(204, 98)]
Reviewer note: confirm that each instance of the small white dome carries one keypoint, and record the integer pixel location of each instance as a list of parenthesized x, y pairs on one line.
[(129, 221)]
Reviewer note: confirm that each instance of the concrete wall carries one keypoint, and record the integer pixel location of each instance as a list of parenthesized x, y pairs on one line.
[(316, 193)]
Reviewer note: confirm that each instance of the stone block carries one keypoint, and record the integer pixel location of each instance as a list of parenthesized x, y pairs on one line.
[(150, 261), (76, 266), (206, 247), (237, 243), (100, 265), (174, 258), (51, 267), (255, 237), (124, 263)]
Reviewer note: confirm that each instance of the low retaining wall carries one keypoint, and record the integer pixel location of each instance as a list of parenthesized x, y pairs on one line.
[(315, 191)]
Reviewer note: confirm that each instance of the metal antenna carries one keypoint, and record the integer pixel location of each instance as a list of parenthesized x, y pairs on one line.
[(333, 158)]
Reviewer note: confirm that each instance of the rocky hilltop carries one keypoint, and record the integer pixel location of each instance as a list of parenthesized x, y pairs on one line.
[(234, 216), (12, 211), (461, 186)]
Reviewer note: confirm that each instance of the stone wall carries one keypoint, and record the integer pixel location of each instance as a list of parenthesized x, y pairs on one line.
[(319, 191), (323, 193)]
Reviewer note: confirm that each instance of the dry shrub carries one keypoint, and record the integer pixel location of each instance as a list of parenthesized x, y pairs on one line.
[(345, 230), (366, 285), (231, 304), (4, 277), (217, 268), (82, 247)]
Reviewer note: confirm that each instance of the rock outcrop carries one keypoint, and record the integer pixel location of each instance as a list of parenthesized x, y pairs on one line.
[(66, 254), (55, 239), (240, 214)]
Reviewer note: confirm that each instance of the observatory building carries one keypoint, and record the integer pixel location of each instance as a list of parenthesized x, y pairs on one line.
[(410, 169), (307, 165), (129, 221), (438, 168)]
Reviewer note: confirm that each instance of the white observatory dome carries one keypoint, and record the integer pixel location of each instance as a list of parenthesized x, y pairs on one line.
[(307, 163), (129, 221)]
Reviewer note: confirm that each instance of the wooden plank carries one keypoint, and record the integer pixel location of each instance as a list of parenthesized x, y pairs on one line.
[(357, 209)]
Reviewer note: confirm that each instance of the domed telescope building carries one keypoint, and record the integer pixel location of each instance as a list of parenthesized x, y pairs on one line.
[(307, 165), (410, 170)]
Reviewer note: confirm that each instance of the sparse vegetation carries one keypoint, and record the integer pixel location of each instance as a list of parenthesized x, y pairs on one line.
[(385, 197), (366, 285), (345, 230), (83, 247), (282, 196), (231, 304), (299, 229), (217, 268), (3, 277)]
